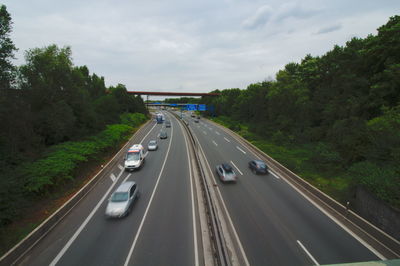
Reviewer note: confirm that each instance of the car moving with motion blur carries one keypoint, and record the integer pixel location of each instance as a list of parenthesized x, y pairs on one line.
[(153, 145), (226, 173), (134, 158), (120, 202), (167, 123), (163, 135), (258, 167)]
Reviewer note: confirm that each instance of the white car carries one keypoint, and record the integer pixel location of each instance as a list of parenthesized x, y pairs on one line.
[(134, 158), (152, 146), (120, 202)]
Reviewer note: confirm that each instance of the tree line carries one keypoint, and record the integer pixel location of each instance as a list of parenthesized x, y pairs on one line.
[(345, 102), (48, 101)]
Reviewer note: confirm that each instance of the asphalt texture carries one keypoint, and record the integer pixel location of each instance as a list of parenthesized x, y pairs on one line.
[(273, 221)]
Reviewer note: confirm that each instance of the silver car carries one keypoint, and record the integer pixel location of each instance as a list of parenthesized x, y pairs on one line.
[(153, 145), (120, 202), (226, 173)]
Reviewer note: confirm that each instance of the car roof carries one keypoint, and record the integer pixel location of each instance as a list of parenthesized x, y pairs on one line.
[(226, 167), (124, 187)]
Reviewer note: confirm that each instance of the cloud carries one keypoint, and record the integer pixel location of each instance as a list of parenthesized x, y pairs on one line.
[(294, 10), (329, 29), (260, 18)]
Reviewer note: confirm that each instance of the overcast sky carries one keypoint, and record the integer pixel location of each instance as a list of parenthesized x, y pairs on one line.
[(196, 46)]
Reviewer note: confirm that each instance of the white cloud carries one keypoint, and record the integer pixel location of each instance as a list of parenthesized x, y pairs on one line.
[(329, 29)]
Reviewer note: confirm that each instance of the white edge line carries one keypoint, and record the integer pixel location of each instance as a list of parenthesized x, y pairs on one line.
[(240, 149), (83, 225), (196, 256), (226, 210), (236, 168), (308, 253), (272, 173), (148, 205)]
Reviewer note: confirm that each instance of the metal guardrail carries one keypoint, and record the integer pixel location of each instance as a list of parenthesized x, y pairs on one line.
[(26, 244), (379, 240), (221, 254)]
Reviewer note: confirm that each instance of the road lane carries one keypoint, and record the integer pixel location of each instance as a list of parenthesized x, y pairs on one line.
[(271, 217), (167, 234)]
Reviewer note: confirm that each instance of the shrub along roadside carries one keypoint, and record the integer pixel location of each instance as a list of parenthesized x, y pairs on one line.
[(52, 176)]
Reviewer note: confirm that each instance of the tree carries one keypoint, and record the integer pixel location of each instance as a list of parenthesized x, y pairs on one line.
[(7, 49)]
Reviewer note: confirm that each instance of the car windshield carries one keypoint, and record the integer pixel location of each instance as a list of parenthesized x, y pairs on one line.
[(261, 164), (119, 196), (133, 156), (152, 142)]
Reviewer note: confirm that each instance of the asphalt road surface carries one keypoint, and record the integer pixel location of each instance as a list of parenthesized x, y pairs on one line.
[(274, 223)]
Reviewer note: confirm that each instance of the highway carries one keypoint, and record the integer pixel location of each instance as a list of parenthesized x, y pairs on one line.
[(270, 222), (161, 228), (275, 225)]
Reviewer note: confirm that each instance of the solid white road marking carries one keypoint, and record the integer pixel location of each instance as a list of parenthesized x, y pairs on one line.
[(240, 149), (227, 139), (216, 132), (236, 168), (120, 167), (145, 155), (196, 256), (308, 253), (72, 239), (215, 143), (112, 176), (272, 173), (148, 206), (148, 133)]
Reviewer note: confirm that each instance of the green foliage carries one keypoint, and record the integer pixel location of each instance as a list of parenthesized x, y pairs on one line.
[(133, 120), (7, 49), (58, 166), (325, 156), (384, 182)]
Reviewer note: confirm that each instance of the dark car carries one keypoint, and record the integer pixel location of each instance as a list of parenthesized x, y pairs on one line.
[(196, 121), (258, 167), (167, 123), (163, 135), (226, 173)]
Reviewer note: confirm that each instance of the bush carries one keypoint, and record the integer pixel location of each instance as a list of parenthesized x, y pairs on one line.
[(58, 166), (132, 120), (324, 156), (383, 181)]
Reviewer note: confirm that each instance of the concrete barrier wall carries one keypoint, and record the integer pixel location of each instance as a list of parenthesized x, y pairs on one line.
[(377, 212)]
